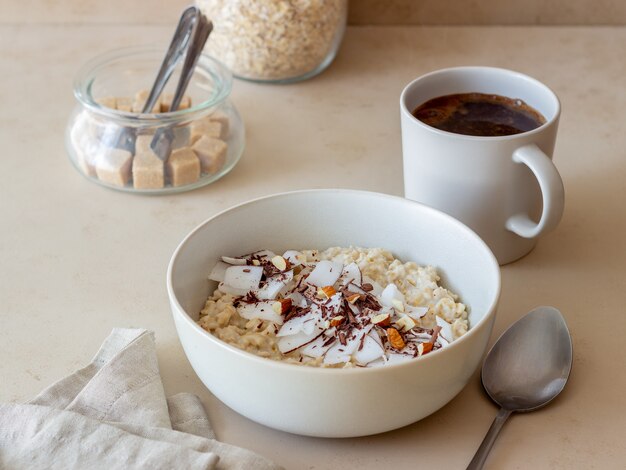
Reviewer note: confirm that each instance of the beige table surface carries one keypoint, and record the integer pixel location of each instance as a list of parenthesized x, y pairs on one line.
[(78, 259)]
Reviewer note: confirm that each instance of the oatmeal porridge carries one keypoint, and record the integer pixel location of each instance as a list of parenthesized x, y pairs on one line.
[(342, 307)]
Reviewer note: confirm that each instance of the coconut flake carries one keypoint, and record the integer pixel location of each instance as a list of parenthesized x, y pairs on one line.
[(234, 261), (418, 337), (297, 299), (334, 303), (274, 285), (377, 363), (287, 344), (294, 257), (370, 350), (246, 278), (446, 329), (325, 273), (350, 274), (343, 352), (415, 312), (301, 324), (395, 358), (336, 354), (262, 310), (391, 296), (218, 271), (231, 290), (318, 347)]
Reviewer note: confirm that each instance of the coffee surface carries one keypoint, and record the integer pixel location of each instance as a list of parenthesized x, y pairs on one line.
[(479, 114)]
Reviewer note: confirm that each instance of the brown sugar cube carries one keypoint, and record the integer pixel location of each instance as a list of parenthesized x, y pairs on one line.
[(140, 100), (222, 118), (113, 166), (211, 152), (182, 167), (166, 102), (124, 104), (142, 143), (205, 127), (148, 171), (107, 102), (181, 139)]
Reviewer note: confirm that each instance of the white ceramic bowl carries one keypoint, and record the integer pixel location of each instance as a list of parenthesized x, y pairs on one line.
[(335, 402)]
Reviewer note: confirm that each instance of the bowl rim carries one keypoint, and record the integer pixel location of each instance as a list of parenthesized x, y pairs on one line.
[(262, 361)]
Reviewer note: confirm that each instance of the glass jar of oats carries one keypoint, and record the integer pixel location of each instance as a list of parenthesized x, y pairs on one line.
[(277, 41)]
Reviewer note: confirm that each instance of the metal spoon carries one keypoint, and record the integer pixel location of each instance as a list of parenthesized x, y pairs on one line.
[(526, 368)]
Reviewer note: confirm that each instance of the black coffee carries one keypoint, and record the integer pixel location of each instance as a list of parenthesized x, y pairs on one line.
[(479, 114)]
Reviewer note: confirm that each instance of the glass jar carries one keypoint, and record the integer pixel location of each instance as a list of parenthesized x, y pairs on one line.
[(109, 140), (277, 41)]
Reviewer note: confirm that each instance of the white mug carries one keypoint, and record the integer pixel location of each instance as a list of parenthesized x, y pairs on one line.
[(505, 188)]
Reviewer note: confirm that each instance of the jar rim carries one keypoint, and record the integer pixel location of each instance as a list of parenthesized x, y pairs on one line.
[(83, 81)]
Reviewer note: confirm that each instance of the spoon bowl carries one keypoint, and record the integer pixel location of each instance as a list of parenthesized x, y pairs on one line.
[(525, 369)]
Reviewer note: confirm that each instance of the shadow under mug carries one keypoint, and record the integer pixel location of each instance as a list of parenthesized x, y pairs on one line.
[(505, 188)]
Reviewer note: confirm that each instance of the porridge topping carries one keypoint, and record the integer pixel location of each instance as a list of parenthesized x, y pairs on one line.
[(339, 308)]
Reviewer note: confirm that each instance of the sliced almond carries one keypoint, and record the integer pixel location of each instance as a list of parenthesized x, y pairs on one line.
[(398, 305), (424, 348), (352, 298), (383, 319), (336, 321), (326, 292), (282, 306), (405, 323), (256, 262), (280, 263), (395, 339)]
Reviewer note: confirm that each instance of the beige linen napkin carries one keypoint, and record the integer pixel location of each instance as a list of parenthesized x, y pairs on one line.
[(114, 414)]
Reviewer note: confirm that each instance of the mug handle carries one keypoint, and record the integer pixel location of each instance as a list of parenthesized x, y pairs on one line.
[(552, 192)]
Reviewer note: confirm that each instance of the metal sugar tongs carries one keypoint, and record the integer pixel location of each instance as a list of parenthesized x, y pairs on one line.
[(189, 39)]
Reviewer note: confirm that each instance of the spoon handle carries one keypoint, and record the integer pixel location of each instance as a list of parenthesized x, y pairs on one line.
[(483, 451)]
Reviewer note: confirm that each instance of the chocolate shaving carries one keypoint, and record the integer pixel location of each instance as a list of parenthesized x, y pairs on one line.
[(342, 338), (297, 312), (361, 342), (370, 302), (351, 318), (436, 331), (300, 283), (329, 341), (249, 298)]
